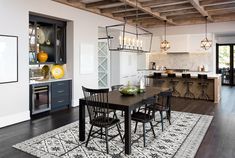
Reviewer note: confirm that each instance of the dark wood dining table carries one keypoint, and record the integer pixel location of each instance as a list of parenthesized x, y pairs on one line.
[(124, 103)]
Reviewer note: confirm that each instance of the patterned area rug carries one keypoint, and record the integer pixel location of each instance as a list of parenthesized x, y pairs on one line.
[(181, 139)]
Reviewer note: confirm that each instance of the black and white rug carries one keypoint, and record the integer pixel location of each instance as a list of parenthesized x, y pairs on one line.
[(181, 139)]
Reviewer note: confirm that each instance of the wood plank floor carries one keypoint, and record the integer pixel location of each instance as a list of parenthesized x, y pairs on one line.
[(219, 141)]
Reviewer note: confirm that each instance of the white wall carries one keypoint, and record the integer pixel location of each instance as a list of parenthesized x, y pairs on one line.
[(83, 28), (225, 39)]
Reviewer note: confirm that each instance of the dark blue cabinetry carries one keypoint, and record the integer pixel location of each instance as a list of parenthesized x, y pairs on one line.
[(61, 92)]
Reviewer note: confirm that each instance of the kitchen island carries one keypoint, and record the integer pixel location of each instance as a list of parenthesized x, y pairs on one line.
[(213, 88)]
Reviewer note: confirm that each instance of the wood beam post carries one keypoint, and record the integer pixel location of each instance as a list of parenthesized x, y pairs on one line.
[(200, 9), (148, 10)]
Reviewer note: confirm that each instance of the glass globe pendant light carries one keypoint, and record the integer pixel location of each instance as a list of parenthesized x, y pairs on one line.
[(165, 45), (206, 43)]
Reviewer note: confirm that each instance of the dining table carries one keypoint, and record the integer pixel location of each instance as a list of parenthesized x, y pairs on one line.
[(124, 103)]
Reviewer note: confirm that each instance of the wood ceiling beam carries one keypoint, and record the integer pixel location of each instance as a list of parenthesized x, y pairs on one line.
[(82, 6), (151, 23), (191, 21), (179, 12), (224, 11), (224, 17), (147, 10), (200, 9), (127, 13), (219, 7), (193, 15), (133, 17), (115, 9), (147, 20), (100, 3), (153, 3), (73, 1), (172, 7), (215, 2)]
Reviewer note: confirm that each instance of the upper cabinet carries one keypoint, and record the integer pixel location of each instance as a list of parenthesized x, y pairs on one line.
[(49, 36)]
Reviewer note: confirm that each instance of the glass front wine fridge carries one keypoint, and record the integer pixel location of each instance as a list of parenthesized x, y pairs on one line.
[(40, 98)]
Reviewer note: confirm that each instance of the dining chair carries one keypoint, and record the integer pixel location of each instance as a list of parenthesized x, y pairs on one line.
[(116, 88), (99, 113), (144, 115), (163, 104)]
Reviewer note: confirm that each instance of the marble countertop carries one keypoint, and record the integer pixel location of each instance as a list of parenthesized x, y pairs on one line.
[(47, 81)]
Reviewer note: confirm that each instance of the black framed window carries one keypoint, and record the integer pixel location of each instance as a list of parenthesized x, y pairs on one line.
[(225, 58)]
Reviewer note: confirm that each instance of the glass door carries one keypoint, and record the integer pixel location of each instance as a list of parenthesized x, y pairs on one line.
[(225, 63)]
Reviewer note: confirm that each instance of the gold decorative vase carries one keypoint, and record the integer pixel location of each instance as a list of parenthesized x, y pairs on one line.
[(42, 57)]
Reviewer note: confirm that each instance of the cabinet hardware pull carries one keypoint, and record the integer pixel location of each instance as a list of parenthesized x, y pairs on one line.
[(60, 91), (60, 84), (60, 101)]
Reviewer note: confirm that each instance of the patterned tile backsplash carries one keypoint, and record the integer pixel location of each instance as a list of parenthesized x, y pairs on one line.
[(183, 61)]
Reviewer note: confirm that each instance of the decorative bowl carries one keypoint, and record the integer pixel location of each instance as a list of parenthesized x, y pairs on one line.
[(128, 90)]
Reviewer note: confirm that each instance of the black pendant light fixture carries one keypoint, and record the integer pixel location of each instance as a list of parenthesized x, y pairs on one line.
[(165, 45), (206, 43), (122, 37)]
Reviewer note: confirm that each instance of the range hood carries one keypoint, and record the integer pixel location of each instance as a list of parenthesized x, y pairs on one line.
[(177, 52)]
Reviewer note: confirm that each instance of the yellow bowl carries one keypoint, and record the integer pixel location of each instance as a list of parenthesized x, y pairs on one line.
[(57, 71)]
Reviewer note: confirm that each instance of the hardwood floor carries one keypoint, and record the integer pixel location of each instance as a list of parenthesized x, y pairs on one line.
[(219, 141)]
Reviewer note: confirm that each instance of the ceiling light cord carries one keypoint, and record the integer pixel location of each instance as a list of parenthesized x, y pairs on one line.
[(125, 11), (165, 29), (206, 25), (136, 20)]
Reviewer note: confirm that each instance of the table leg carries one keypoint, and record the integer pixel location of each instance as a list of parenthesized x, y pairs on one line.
[(128, 131), (81, 121)]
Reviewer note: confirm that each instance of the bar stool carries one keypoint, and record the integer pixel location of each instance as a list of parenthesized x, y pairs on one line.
[(173, 83), (203, 84), (147, 80), (188, 82), (157, 79)]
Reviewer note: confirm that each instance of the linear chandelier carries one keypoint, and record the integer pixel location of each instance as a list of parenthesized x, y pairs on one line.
[(122, 37), (206, 43)]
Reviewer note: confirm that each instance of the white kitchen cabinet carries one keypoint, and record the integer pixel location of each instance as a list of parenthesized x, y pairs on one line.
[(123, 68)]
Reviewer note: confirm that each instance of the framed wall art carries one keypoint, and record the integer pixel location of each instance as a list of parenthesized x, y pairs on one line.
[(8, 59)]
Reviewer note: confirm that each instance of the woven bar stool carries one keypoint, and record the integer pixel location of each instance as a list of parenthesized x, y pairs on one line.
[(188, 82), (173, 82), (157, 79), (203, 84)]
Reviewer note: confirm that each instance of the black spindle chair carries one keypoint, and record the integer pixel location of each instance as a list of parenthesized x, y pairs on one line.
[(145, 115), (163, 104), (98, 109), (116, 88)]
